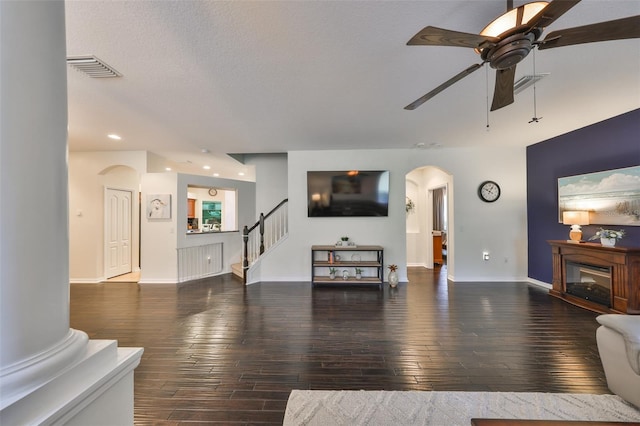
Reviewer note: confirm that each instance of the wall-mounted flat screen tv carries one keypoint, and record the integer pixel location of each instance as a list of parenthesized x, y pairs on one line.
[(348, 193)]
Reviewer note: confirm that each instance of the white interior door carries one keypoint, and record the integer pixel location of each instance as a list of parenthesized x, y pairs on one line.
[(117, 232)]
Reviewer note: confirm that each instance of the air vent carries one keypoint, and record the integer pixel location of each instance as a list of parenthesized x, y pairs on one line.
[(93, 67), (527, 81)]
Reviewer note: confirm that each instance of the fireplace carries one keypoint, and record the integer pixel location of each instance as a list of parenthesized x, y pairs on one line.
[(602, 279), (589, 282)]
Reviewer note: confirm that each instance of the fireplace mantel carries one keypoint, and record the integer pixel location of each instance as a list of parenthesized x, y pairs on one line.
[(624, 263)]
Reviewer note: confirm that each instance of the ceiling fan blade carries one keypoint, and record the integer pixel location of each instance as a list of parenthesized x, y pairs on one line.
[(618, 29), (432, 36), (415, 104), (551, 12), (503, 92)]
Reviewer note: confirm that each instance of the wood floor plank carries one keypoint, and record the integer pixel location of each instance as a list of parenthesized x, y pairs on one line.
[(216, 352)]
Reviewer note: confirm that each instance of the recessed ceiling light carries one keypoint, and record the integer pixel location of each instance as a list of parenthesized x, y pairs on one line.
[(216, 174), (114, 137), (206, 167), (241, 174), (168, 169)]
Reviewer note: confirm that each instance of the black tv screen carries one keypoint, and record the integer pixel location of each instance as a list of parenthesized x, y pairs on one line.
[(348, 193)]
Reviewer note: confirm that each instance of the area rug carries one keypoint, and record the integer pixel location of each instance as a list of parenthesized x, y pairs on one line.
[(328, 408)]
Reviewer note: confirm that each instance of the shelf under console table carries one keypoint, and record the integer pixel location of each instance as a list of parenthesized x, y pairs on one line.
[(370, 259), (581, 271)]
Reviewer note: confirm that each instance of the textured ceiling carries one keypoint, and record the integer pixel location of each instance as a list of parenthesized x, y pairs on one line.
[(277, 76)]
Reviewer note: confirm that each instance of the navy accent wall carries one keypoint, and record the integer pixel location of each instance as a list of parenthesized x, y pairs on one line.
[(610, 144)]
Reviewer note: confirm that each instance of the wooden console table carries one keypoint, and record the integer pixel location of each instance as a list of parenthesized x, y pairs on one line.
[(623, 262), (368, 258)]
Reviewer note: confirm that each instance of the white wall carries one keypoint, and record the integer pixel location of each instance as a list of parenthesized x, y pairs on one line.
[(89, 174), (271, 180), (156, 163), (499, 227), (158, 257)]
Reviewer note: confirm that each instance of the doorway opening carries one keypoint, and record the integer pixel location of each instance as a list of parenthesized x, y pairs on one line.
[(440, 224), (429, 224)]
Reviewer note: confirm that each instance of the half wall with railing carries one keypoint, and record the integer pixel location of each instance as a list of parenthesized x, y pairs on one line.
[(264, 234)]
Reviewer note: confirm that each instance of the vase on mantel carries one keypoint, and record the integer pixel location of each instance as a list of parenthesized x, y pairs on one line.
[(608, 242), (393, 279)]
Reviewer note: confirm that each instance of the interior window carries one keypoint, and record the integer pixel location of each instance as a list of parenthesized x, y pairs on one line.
[(211, 209)]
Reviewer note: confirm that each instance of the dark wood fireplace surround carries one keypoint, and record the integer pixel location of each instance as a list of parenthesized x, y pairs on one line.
[(625, 274)]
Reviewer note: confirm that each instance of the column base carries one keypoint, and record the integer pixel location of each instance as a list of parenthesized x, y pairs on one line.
[(96, 389)]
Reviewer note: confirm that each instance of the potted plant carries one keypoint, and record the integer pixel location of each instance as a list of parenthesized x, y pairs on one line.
[(332, 273), (343, 242), (358, 273), (608, 237), (393, 275)]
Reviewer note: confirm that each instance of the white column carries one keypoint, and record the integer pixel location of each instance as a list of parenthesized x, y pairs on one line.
[(34, 243), (37, 347)]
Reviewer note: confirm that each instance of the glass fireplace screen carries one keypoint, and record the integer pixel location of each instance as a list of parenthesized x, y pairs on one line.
[(589, 282)]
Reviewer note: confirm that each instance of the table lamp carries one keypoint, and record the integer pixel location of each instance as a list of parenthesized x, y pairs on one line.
[(575, 219)]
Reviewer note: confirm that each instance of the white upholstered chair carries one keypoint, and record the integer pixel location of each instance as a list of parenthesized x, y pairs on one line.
[(618, 340)]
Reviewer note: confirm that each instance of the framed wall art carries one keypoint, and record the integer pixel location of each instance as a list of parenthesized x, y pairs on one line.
[(158, 206), (611, 197)]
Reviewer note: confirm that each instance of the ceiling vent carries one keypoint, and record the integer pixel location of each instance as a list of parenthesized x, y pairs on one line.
[(92, 66), (526, 81)]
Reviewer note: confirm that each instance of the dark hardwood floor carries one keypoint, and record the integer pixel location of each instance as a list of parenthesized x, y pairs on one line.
[(217, 353)]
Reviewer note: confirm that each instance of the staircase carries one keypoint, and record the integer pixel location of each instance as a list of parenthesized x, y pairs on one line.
[(263, 235)]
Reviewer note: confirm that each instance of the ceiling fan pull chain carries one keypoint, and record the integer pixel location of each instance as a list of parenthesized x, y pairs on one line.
[(486, 84), (535, 118)]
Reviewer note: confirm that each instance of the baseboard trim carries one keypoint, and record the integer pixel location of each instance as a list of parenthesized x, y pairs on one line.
[(539, 283), (85, 280)]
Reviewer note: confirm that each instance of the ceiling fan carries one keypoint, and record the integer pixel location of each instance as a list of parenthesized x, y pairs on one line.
[(509, 38)]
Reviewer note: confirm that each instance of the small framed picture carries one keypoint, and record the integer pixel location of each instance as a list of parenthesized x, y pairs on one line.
[(158, 206)]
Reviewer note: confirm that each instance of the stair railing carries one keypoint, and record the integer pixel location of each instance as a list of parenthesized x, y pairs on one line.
[(266, 232)]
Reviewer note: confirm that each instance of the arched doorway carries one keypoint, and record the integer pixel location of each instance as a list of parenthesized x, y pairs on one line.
[(420, 186)]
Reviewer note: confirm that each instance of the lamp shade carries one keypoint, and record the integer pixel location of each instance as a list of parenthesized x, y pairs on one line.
[(575, 218), (513, 18)]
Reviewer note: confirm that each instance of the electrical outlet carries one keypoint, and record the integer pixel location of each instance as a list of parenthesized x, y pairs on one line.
[(485, 255)]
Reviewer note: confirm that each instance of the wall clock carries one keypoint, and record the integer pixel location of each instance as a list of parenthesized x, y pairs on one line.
[(213, 192), (489, 191)]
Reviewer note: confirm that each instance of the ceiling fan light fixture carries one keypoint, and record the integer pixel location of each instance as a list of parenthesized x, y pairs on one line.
[(509, 20)]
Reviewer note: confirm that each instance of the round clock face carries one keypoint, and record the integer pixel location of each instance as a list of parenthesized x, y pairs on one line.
[(213, 192), (489, 191)]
